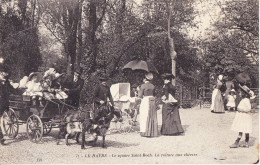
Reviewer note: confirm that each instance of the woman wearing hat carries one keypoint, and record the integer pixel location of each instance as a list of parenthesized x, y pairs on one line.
[(243, 119), (148, 114), (229, 86), (217, 104), (171, 122)]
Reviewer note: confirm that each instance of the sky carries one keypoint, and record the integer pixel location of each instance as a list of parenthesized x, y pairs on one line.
[(209, 11), (208, 14)]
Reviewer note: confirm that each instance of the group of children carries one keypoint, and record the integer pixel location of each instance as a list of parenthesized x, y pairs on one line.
[(38, 85)]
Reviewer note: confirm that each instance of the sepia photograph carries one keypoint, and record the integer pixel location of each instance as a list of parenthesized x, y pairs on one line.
[(129, 82)]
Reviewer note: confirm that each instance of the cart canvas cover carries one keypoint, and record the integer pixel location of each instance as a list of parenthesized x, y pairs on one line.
[(120, 91)]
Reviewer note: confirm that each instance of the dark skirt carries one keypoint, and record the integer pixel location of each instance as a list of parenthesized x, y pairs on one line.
[(171, 122)]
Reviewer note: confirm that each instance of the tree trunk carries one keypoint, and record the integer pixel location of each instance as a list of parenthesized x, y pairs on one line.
[(92, 35), (119, 35), (71, 17), (173, 54), (80, 42)]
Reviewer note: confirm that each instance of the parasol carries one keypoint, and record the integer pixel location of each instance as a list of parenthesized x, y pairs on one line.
[(141, 65), (243, 78)]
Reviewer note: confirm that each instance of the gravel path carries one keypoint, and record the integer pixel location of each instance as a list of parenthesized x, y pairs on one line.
[(206, 140)]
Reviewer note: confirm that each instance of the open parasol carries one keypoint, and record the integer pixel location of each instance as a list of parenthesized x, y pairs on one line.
[(243, 78), (141, 65)]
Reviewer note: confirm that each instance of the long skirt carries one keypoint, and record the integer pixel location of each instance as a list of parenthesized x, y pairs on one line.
[(242, 123), (148, 117), (217, 104), (171, 122)]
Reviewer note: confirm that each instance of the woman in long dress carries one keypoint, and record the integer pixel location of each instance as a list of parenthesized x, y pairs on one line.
[(217, 104), (171, 122), (148, 114)]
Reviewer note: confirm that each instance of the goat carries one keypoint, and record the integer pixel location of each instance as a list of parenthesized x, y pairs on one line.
[(79, 122), (75, 122)]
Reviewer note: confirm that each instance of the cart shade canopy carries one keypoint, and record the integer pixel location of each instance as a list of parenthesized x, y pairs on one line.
[(120, 91)]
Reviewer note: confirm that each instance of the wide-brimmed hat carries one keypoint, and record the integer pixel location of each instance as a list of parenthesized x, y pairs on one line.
[(58, 75), (233, 90), (248, 91), (33, 74), (167, 76), (149, 76)]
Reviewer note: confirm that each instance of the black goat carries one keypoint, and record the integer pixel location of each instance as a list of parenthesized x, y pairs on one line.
[(74, 123)]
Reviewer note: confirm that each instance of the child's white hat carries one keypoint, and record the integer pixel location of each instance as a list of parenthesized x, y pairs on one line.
[(232, 90)]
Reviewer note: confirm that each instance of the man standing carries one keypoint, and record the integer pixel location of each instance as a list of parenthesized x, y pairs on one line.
[(76, 87), (5, 86), (101, 96)]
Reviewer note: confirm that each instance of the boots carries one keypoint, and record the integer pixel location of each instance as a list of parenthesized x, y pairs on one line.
[(235, 145), (2, 142)]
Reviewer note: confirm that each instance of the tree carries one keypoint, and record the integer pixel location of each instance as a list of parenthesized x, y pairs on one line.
[(169, 17), (233, 47), (19, 38), (61, 18)]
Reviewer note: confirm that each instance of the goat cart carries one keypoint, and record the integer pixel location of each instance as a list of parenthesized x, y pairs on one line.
[(39, 120)]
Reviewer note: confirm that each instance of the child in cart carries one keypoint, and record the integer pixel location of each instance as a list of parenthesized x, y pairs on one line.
[(34, 89), (243, 119), (231, 104)]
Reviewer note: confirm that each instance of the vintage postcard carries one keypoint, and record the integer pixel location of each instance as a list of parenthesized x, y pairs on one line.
[(129, 82)]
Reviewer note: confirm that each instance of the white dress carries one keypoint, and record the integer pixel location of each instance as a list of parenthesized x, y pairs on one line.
[(231, 101), (243, 119), (33, 89)]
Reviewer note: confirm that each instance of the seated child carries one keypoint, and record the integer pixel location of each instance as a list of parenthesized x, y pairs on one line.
[(231, 104), (34, 89), (57, 86)]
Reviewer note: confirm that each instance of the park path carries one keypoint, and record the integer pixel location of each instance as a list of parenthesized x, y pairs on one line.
[(206, 140)]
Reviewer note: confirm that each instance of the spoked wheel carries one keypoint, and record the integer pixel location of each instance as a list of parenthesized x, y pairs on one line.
[(47, 128), (9, 123), (34, 128)]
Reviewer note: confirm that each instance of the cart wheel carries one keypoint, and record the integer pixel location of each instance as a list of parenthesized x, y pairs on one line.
[(47, 128), (9, 123), (34, 128)]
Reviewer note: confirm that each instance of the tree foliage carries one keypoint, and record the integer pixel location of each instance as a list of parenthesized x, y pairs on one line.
[(19, 40), (233, 47)]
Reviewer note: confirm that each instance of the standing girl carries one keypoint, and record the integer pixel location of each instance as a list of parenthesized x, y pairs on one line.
[(243, 119)]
